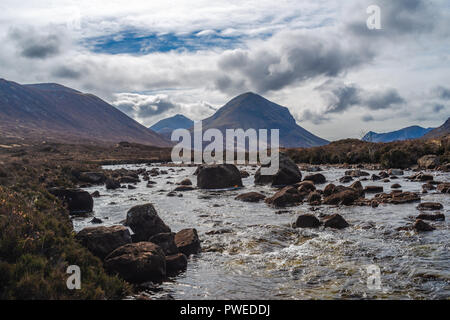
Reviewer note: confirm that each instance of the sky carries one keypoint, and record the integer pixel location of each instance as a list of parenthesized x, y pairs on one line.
[(154, 59)]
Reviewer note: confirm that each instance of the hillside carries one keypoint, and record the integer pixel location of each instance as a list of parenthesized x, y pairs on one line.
[(57, 113)]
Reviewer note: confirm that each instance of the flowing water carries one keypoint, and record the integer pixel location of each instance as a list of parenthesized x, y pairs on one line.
[(250, 250)]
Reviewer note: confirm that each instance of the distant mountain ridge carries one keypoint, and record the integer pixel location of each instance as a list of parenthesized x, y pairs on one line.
[(165, 126), (439, 131), (51, 111), (412, 132), (250, 110)]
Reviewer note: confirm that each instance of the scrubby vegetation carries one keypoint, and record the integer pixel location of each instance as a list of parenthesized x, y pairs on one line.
[(400, 154), (37, 241)]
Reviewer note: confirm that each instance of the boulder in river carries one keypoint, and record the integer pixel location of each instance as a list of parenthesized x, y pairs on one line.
[(307, 221), (432, 217), (430, 206), (219, 176), (77, 200), (103, 240), (428, 162), (251, 197), (137, 262), (373, 189), (176, 263), (335, 221), (329, 190), (287, 196), (188, 242), (145, 222), (317, 178), (112, 184), (185, 182), (314, 198), (421, 226), (396, 186), (288, 173), (166, 241), (345, 179), (345, 197), (357, 185)]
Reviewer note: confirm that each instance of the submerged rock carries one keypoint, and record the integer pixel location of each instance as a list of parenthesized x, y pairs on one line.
[(145, 222), (345, 197), (422, 226), (251, 197), (317, 178), (219, 176), (103, 240), (176, 263), (137, 262), (287, 196), (373, 189), (432, 217), (345, 179), (185, 182), (430, 206), (112, 184), (92, 177), (335, 221), (307, 221)]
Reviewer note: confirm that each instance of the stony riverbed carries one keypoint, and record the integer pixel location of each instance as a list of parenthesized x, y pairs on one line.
[(251, 250)]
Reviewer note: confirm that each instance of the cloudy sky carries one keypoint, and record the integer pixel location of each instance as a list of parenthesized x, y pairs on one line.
[(153, 59)]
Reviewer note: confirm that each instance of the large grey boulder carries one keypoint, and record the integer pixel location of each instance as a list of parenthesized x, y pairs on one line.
[(145, 222), (287, 174), (218, 176), (137, 262), (103, 240)]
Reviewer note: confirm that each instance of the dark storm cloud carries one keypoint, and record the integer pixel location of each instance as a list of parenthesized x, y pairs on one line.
[(442, 92), (66, 73), (302, 58), (383, 100), (150, 109), (34, 45), (340, 97), (367, 118), (438, 107)]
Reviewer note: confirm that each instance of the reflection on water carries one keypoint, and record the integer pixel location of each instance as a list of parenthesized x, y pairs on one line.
[(251, 252)]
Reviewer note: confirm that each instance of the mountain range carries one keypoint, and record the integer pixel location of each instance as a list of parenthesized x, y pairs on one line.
[(250, 110), (412, 132), (51, 111)]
